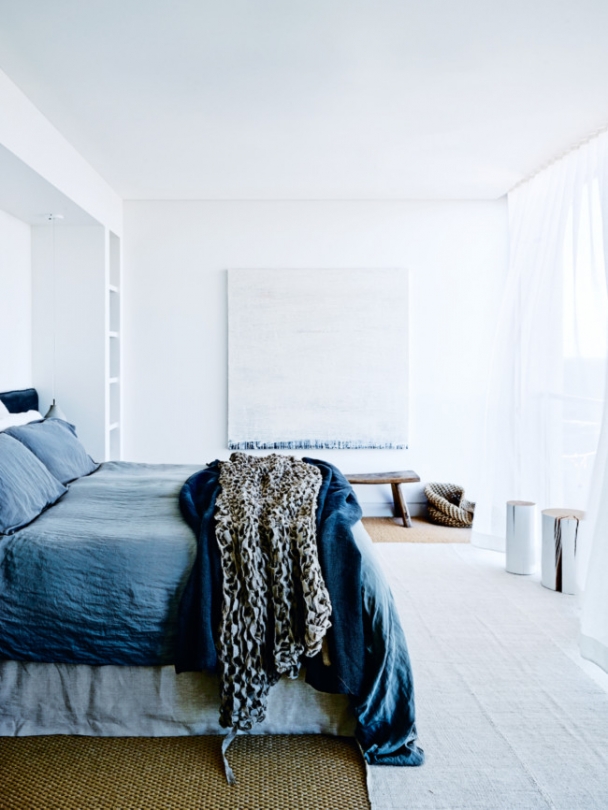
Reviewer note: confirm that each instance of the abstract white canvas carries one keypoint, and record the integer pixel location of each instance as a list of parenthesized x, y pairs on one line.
[(317, 359)]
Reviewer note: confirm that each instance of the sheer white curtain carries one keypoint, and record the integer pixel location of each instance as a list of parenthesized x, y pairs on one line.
[(593, 562), (546, 386), (546, 399), (593, 551)]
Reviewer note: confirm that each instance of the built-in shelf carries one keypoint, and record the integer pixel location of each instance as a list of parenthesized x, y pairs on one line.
[(114, 369), (113, 386), (115, 449), (114, 310), (114, 255)]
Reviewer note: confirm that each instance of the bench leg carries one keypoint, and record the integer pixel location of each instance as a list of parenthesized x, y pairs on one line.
[(401, 506)]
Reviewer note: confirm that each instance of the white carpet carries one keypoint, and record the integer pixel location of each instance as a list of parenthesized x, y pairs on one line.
[(509, 714)]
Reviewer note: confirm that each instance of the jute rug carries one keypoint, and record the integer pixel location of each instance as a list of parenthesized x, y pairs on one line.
[(181, 773), (392, 530)]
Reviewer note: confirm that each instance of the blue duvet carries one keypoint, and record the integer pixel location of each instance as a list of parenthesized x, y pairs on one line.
[(97, 578)]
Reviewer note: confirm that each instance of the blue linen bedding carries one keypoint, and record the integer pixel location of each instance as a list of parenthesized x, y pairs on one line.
[(55, 444), (97, 579), (340, 559), (27, 488)]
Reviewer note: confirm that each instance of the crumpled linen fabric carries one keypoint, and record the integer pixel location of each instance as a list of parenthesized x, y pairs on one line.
[(275, 604)]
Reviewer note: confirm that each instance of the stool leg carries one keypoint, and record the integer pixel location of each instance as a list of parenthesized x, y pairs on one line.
[(401, 506)]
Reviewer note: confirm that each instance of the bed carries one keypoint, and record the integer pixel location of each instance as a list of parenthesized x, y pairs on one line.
[(90, 594)]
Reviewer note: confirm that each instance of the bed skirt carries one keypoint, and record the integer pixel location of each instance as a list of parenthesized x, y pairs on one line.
[(116, 701)]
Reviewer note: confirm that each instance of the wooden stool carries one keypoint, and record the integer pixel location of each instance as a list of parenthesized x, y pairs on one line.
[(521, 546), (395, 479), (558, 563)]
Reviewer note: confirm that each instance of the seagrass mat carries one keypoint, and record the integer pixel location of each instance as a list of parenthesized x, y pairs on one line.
[(311, 772), (392, 530)]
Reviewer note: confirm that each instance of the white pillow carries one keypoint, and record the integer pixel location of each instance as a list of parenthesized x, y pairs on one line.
[(3, 410), (15, 419)]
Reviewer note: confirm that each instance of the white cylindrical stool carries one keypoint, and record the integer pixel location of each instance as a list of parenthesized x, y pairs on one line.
[(521, 533), (560, 530)]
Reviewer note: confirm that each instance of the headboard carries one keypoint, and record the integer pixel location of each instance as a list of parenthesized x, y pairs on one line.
[(18, 401)]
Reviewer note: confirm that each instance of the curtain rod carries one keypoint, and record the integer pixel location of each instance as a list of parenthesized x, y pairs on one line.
[(595, 134)]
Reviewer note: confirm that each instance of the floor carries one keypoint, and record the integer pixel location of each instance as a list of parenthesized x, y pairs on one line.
[(509, 714), (392, 530)]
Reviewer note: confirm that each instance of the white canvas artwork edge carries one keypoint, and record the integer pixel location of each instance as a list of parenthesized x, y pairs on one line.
[(317, 359)]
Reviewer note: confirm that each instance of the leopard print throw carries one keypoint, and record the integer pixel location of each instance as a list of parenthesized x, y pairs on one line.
[(275, 605)]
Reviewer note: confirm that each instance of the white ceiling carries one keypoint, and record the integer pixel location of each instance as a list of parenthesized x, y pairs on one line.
[(312, 99)]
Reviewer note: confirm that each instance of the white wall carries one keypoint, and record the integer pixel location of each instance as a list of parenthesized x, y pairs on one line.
[(15, 304), (175, 348)]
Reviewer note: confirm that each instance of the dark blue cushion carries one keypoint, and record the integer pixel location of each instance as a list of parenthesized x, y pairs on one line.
[(26, 486), (54, 442), (20, 401)]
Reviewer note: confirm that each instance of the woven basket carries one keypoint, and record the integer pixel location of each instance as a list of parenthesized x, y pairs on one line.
[(448, 507)]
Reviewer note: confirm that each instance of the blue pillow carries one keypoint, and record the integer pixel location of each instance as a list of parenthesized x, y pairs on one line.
[(54, 442), (26, 486)]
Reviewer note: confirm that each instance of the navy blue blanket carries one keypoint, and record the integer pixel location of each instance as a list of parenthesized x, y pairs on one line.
[(367, 647)]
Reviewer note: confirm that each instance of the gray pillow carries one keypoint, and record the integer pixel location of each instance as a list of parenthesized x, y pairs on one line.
[(26, 486), (55, 444)]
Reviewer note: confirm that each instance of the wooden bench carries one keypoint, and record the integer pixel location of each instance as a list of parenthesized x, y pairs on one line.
[(395, 479)]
